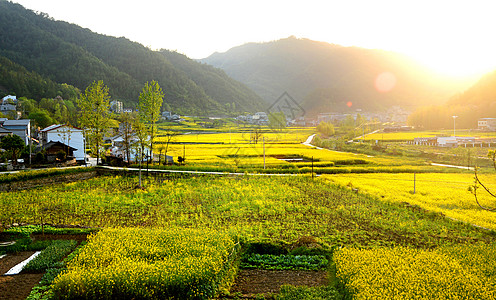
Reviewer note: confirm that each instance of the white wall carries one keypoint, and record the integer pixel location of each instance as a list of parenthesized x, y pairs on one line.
[(69, 136)]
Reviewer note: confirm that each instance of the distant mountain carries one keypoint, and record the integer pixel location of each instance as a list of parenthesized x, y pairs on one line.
[(325, 77), (478, 101), (482, 93), (67, 53), (234, 95)]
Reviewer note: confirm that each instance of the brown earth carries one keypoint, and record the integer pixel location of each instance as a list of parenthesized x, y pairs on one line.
[(19, 286), (37, 182), (12, 259), (77, 237), (249, 283)]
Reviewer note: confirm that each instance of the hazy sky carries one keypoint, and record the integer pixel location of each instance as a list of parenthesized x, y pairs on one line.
[(454, 37)]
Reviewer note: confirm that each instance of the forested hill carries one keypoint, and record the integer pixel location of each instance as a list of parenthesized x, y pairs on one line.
[(479, 101), (326, 76), (15, 79), (67, 53)]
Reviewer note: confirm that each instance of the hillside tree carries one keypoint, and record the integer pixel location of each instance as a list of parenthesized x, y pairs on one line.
[(150, 102), (94, 105)]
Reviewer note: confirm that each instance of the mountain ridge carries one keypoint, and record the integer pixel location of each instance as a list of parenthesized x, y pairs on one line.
[(67, 53), (302, 67)]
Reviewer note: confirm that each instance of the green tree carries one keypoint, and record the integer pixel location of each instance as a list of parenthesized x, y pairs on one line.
[(127, 120), (150, 102), (94, 116), (325, 128), (41, 118), (277, 120), (13, 144)]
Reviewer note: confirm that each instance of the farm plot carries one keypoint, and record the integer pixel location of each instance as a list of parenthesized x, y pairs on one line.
[(449, 272), (272, 209), (443, 193), (142, 263)]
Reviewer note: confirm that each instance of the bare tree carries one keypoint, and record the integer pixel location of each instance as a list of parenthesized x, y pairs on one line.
[(473, 188), (256, 135), (127, 134), (164, 147)]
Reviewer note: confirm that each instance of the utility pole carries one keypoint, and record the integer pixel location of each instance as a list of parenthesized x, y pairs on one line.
[(454, 125), (312, 167), (263, 143), (414, 181)]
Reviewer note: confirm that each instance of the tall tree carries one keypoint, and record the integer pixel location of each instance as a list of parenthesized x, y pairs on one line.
[(95, 114), (150, 102), (142, 137), (127, 132)]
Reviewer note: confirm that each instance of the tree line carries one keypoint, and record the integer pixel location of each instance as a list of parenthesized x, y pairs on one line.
[(95, 117)]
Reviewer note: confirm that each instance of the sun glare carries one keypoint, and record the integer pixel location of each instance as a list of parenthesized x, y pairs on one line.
[(385, 82)]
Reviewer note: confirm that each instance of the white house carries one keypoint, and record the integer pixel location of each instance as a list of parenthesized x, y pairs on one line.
[(487, 124), (8, 104), (70, 136), (118, 148), (116, 107)]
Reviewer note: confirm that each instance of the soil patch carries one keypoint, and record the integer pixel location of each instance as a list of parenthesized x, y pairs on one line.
[(42, 237), (37, 182), (252, 282), (12, 259), (17, 287)]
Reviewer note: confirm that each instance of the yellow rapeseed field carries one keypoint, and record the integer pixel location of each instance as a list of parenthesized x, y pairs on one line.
[(149, 264), (455, 272), (444, 193)]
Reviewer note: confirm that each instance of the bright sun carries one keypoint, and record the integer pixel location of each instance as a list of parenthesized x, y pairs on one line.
[(464, 62)]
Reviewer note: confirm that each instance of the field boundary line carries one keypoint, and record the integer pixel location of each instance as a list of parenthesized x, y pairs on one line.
[(195, 172)]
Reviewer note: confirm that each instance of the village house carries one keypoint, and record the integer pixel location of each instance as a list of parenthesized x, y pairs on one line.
[(21, 128), (488, 124), (116, 107), (67, 135), (4, 132), (52, 149)]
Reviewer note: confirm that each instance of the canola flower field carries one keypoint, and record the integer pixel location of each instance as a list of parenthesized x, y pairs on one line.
[(254, 208), (448, 272), (410, 135), (445, 193), (137, 263), (284, 152), (178, 237)]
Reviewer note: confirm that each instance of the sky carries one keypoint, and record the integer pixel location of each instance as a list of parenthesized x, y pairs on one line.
[(451, 37)]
